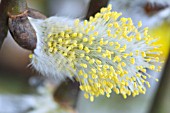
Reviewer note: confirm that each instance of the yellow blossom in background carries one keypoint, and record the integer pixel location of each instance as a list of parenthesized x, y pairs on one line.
[(105, 54), (163, 32)]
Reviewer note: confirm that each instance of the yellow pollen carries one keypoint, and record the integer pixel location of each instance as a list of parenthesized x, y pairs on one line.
[(30, 56), (139, 24)]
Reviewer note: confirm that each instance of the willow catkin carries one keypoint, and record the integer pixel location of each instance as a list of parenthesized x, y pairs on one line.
[(105, 53)]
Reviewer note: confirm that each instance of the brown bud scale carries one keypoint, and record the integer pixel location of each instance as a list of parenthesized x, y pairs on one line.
[(22, 31), (35, 14)]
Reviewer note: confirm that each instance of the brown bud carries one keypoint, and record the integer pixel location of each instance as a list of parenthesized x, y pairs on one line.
[(67, 94), (22, 31)]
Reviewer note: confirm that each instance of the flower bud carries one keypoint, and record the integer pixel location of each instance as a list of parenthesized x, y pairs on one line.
[(22, 31)]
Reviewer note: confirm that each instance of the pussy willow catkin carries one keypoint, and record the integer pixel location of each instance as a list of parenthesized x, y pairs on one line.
[(105, 53)]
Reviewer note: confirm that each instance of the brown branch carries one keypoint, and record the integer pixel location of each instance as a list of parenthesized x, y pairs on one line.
[(16, 7), (162, 99), (3, 21), (95, 6)]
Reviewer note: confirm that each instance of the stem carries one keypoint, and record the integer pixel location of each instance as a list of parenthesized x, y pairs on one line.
[(17, 7), (3, 21)]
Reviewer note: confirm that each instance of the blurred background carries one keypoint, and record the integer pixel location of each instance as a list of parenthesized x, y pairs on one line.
[(22, 90)]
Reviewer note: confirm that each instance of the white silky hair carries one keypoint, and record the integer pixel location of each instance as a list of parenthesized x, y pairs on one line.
[(46, 64)]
